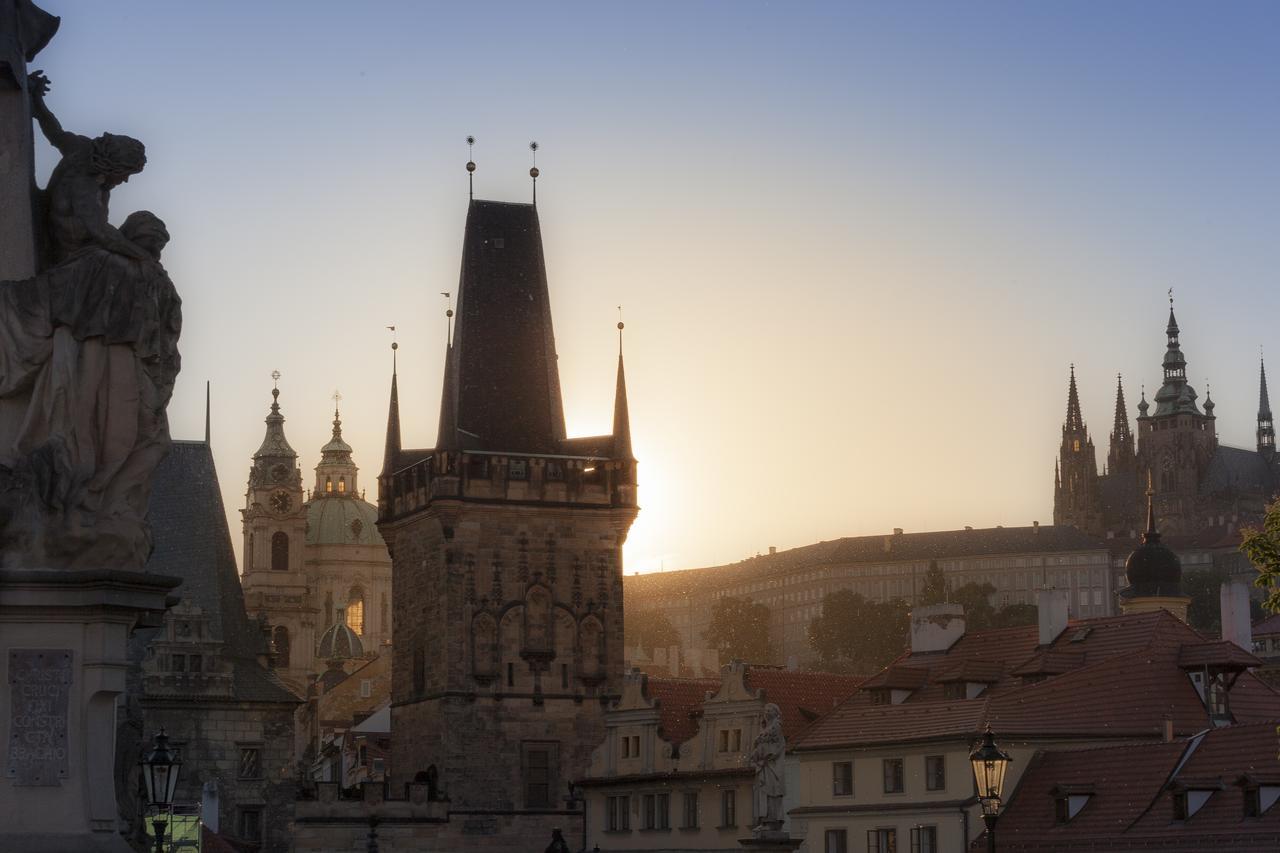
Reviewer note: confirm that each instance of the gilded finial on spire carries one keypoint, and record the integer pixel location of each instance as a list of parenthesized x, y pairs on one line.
[(533, 170), (621, 326), (448, 317), (471, 168)]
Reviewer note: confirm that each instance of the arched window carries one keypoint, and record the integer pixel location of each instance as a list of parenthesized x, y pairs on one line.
[(280, 551), (355, 610), (342, 485), (280, 637), (328, 484)]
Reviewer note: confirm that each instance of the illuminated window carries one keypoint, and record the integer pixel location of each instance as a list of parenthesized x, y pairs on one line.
[(1077, 445), (328, 484), (342, 484), (355, 612)]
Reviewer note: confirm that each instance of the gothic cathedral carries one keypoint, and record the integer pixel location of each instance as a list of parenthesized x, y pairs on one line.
[(1203, 489)]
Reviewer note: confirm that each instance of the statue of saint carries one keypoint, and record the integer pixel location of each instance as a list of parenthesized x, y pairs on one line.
[(766, 760), (88, 358)]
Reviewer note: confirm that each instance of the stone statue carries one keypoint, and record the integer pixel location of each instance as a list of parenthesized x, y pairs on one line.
[(88, 358), (766, 760)]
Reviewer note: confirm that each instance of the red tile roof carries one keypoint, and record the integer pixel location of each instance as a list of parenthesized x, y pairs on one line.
[(1132, 807), (802, 697), (1223, 654), (681, 700), (1270, 625)]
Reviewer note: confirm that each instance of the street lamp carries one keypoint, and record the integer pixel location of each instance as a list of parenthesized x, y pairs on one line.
[(989, 765), (160, 770)]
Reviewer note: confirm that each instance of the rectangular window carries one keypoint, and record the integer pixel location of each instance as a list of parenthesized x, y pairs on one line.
[(954, 690), (518, 469), (649, 812), (842, 779), (924, 839), (196, 663), (179, 663), (935, 773), (728, 808), (564, 676), (366, 688), (722, 740), (836, 841), (893, 775), (539, 760), (663, 818), (419, 671), (511, 675), (618, 814), (250, 762), (882, 840), (250, 824), (690, 818)]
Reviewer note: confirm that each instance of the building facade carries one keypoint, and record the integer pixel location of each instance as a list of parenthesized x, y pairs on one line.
[(1017, 561), (1203, 489), (506, 541), (310, 556)]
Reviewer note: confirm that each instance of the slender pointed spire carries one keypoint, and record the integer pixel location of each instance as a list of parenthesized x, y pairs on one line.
[(391, 454), (1075, 421), (1266, 427), (447, 433), (206, 412), (1151, 534), (1121, 426), (621, 414), (1120, 455)]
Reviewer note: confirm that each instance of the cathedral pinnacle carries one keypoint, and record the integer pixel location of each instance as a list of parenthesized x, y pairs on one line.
[(1075, 421), (621, 414), (1266, 428)]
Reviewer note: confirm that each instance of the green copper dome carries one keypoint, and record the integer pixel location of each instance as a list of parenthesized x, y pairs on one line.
[(342, 520)]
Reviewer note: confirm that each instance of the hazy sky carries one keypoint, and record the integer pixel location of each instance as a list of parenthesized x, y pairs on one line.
[(857, 245)]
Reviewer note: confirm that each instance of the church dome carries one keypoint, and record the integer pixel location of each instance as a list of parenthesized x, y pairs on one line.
[(342, 520), (1152, 568), (339, 642)]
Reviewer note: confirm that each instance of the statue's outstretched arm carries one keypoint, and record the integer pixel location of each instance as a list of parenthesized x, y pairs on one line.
[(38, 85)]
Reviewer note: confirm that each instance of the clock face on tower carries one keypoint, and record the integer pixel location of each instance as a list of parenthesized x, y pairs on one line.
[(280, 502)]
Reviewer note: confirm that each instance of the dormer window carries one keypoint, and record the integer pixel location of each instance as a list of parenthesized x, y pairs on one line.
[(1259, 794), (1069, 800), (879, 696), (1190, 798), (954, 690), (518, 469)]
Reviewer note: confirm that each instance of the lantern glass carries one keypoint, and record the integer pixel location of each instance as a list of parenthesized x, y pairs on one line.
[(989, 766), (160, 770)]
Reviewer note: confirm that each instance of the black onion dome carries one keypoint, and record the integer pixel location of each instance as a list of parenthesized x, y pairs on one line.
[(1153, 569)]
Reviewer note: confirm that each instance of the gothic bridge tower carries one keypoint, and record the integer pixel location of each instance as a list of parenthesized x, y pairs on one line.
[(506, 545)]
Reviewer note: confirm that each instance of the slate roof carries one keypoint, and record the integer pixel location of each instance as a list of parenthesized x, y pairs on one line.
[(889, 548), (193, 542), (1132, 804), (1115, 676), (1235, 469)]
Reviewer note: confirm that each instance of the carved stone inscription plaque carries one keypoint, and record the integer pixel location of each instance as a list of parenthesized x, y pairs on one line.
[(40, 680)]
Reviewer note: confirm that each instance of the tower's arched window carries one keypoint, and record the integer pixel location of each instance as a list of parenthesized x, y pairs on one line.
[(280, 551), (280, 637), (342, 484), (355, 610), (328, 484)]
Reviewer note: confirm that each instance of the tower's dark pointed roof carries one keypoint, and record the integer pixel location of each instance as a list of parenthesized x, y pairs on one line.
[(506, 384), (1175, 396), (1120, 428), (1264, 401), (392, 450), (621, 414), (274, 444)]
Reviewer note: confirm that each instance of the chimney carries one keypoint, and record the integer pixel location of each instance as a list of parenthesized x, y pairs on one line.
[(1035, 527), (897, 531), (773, 549), (1051, 607), (968, 527), (936, 628), (1233, 598), (1168, 729)]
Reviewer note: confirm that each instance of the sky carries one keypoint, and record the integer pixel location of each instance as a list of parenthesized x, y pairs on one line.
[(857, 245)]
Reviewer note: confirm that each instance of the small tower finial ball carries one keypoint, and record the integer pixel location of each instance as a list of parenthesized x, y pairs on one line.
[(533, 173), (471, 166), (620, 326), (449, 313), (395, 345), (471, 140)]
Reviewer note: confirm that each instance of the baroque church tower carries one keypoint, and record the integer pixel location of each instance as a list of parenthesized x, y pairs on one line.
[(1077, 500), (275, 525), (506, 541)]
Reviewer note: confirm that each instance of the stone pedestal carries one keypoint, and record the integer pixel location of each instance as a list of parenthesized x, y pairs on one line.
[(772, 841), (63, 637)]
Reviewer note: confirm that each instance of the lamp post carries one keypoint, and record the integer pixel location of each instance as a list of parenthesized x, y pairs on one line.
[(577, 797), (160, 770), (989, 765)]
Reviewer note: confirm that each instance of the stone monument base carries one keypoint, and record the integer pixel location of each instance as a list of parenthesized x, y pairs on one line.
[(63, 637), (772, 841)]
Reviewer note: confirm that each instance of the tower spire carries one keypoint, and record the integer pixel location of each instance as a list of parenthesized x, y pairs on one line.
[(206, 412), (1266, 427), (533, 170), (1120, 455), (471, 169), (621, 414), (447, 434), (391, 454), (1075, 421)]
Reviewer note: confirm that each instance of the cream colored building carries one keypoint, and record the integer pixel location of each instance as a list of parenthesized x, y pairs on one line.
[(672, 774)]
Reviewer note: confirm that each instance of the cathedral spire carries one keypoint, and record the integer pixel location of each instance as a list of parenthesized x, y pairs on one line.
[(1266, 428), (1121, 455), (1075, 421), (392, 452), (1175, 395), (621, 415)]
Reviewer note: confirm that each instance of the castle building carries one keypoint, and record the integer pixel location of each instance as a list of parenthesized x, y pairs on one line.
[(506, 544), (311, 559), (1202, 488)]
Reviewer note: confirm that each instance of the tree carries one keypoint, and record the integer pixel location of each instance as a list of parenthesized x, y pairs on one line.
[(649, 629), (934, 590), (856, 635), (975, 598), (1262, 547), (1204, 613), (1013, 615), (740, 630)]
